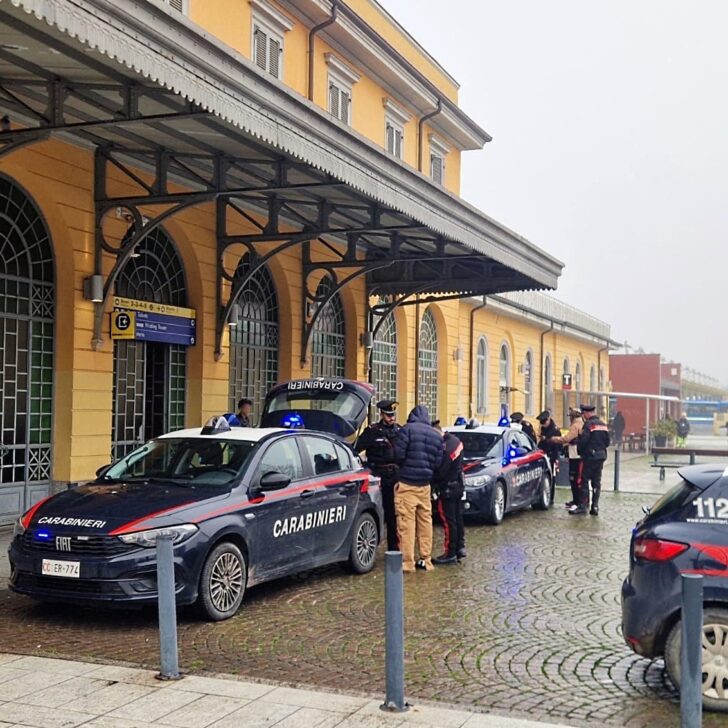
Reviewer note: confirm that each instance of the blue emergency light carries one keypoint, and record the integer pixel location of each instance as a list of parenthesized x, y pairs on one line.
[(459, 421), (292, 421), (504, 420), (43, 535)]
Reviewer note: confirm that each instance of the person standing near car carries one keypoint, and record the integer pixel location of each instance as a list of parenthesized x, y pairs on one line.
[(418, 449), (377, 441), (549, 430), (575, 463), (592, 445), (517, 418), (449, 488)]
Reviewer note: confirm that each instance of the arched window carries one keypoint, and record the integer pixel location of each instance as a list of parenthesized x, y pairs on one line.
[(481, 377), (328, 342), (27, 315), (504, 373), (150, 377), (592, 379), (427, 360), (254, 339), (384, 357), (602, 380), (548, 385), (577, 376), (528, 381)]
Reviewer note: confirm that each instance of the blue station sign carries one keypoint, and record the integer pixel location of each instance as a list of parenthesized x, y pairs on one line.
[(149, 321)]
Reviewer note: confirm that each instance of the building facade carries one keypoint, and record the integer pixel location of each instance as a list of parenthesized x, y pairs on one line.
[(200, 199)]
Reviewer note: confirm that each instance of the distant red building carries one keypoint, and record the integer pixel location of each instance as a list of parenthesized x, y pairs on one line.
[(644, 374)]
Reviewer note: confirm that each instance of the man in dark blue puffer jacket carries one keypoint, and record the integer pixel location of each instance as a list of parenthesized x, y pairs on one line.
[(418, 449)]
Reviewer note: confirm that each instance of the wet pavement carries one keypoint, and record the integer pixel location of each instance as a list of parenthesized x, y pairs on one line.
[(528, 625)]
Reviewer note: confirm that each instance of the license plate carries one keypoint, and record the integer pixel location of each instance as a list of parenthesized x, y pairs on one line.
[(50, 567)]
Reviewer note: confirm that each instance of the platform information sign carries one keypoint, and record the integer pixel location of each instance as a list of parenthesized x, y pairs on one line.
[(149, 321)]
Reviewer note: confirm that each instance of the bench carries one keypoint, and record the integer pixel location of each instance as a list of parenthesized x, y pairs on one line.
[(692, 453)]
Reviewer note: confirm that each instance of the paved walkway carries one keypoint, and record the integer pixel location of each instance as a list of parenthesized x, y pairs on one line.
[(49, 693)]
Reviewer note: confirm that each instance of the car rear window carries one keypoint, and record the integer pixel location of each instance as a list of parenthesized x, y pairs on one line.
[(673, 500)]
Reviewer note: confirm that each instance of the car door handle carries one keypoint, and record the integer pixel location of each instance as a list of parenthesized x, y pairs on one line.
[(307, 493)]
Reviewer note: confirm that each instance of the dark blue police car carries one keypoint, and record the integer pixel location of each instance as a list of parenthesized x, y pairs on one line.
[(243, 505), (503, 470), (685, 532)]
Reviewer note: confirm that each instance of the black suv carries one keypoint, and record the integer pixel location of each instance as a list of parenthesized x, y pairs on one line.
[(685, 532)]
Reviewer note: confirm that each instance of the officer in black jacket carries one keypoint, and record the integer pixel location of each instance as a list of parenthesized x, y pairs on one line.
[(592, 446), (377, 440), (449, 487)]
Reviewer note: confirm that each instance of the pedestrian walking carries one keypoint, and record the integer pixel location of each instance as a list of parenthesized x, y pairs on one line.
[(575, 463), (418, 450), (618, 427), (683, 430), (377, 441), (449, 489), (592, 445)]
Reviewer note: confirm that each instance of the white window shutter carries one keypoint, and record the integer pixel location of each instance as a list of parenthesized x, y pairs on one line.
[(345, 106), (436, 169), (261, 46), (398, 144), (390, 138), (177, 5), (274, 51), (334, 100)]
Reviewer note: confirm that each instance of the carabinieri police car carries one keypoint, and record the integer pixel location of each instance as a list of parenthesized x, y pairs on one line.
[(503, 471), (243, 505)]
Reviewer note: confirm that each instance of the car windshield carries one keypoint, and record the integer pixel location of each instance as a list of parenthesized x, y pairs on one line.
[(183, 461), (671, 501), (479, 444)]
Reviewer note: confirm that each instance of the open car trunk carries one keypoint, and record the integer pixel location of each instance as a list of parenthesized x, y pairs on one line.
[(336, 406)]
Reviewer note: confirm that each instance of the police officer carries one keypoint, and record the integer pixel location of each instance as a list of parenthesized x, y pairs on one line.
[(449, 487), (549, 430), (526, 426), (592, 445), (377, 440)]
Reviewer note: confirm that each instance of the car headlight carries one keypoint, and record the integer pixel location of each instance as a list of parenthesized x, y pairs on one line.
[(477, 480), (18, 528), (148, 539)]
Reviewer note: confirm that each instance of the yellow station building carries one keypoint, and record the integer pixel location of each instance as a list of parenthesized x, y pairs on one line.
[(199, 198)]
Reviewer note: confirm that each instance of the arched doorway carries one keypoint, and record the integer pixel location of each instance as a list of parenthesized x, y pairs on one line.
[(254, 339), (149, 376), (384, 357), (427, 364), (27, 313), (328, 341)]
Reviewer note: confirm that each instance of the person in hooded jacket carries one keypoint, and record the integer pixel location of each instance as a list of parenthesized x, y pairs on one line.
[(418, 449)]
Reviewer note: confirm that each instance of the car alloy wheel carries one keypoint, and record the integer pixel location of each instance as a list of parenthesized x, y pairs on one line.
[(714, 658), (222, 583), (497, 504), (543, 498), (364, 544)]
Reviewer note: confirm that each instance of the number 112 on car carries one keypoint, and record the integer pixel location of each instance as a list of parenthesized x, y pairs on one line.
[(712, 508)]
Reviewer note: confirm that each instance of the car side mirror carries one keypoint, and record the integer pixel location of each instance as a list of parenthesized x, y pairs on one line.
[(519, 452), (103, 470), (274, 480)]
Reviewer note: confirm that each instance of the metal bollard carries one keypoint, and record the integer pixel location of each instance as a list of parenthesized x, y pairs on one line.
[(394, 632), (691, 669), (617, 458), (167, 610)]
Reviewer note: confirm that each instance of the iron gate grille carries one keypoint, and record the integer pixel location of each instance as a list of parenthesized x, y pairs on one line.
[(254, 340), (384, 359), (156, 274), (427, 360), (27, 311), (329, 335)]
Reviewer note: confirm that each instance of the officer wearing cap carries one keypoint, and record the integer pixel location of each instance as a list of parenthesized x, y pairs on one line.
[(549, 430), (576, 465), (377, 440), (592, 445)]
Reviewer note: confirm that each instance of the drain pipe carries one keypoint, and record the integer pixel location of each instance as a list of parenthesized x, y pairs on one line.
[(420, 128), (472, 344), (311, 38), (543, 378), (417, 349)]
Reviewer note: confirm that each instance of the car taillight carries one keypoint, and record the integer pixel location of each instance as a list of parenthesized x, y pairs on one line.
[(656, 549)]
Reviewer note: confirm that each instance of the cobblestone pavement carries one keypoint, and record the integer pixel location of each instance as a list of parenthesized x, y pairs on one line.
[(528, 624)]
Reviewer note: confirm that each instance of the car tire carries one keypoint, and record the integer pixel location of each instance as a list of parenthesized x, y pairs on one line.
[(222, 582), (715, 643), (543, 498), (497, 508), (364, 542)]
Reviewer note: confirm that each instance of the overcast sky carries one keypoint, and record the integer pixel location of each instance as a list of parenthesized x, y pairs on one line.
[(610, 151)]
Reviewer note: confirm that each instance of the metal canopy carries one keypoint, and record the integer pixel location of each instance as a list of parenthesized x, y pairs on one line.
[(64, 72)]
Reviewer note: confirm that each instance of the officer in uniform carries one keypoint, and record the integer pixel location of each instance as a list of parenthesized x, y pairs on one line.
[(592, 445), (377, 440), (449, 487), (549, 430)]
